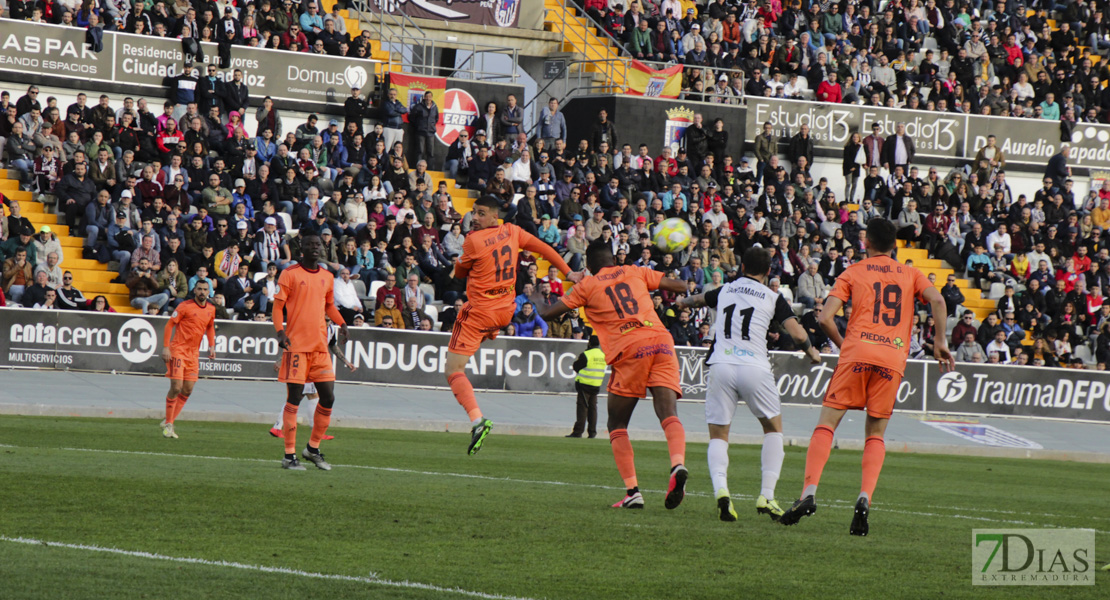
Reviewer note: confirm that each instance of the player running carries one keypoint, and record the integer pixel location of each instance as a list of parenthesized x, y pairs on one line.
[(335, 347), (873, 355), (191, 322), (740, 369), (641, 353), (304, 297), (489, 262)]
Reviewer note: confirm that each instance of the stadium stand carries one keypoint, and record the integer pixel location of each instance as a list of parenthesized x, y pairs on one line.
[(959, 57)]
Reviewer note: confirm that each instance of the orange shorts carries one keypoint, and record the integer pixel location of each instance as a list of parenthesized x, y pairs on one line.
[(859, 386), (651, 363), (474, 326), (306, 367), (183, 368)]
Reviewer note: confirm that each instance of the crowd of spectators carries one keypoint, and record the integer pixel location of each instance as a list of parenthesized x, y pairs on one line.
[(171, 204), (301, 26), (1001, 58)]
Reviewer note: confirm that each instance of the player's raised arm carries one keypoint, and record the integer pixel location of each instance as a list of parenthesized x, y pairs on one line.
[(551, 311), (940, 317), (827, 319), (675, 286), (695, 301), (533, 244)]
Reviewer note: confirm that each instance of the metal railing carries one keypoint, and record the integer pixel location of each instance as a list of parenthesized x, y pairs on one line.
[(400, 35), (616, 68), (576, 81)]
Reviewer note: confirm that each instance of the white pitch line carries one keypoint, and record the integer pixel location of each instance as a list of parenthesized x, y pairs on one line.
[(373, 580), (836, 504)]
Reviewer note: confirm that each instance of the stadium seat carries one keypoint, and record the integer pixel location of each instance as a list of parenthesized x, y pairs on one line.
[(433, 312), (997, 290), (372, 293), (259, 276), (360, 291), (288, 221), (1082, 352)]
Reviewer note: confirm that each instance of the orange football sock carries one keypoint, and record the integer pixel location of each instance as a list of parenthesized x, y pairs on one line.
[(626, 460), (676, 440), (874, 451), (179, 406), (289, 427), (820, 445), (464, 393), (320, 422), (171, 406)]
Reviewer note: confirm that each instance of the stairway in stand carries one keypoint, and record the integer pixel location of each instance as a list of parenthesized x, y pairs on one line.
[(89, 276)]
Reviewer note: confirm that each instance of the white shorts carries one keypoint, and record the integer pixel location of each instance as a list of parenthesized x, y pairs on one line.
[(729, 384)]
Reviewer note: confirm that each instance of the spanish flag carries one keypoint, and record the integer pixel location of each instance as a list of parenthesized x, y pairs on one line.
[(411, 88), (645, 81)]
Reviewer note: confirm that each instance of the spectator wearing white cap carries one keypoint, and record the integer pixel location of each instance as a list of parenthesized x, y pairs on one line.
[(270, 247)]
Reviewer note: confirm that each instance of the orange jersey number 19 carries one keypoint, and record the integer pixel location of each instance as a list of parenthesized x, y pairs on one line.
[(881, 292)]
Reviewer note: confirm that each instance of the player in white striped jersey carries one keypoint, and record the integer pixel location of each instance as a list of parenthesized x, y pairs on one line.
[(740, 369), (310, 388)]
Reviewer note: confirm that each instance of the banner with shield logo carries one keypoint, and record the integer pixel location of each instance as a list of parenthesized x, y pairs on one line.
[(411, 89)]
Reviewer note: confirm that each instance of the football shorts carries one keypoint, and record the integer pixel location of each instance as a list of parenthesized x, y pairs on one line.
[(183, 368), (650, 363), (474, 326), (863, 386), (732, 383), (302, 367)]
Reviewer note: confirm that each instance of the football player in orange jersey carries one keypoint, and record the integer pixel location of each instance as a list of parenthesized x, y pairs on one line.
[(192, 321), (642, 356), (873, 354), (304, 297), (488, 262)]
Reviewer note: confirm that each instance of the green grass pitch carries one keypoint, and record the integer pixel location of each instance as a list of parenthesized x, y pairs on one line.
[(527, 517)]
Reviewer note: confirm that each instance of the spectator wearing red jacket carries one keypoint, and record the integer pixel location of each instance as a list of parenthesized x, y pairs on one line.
[(168, 139), (829, 90)]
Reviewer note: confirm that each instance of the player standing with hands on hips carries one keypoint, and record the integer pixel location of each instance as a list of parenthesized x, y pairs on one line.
[(303, 299), (873, 354), (740, 369)]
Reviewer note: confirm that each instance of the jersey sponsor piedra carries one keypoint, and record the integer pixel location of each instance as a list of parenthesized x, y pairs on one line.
[(745, 310), (618, 305), (191, 322), (306, 295), (881, 291)]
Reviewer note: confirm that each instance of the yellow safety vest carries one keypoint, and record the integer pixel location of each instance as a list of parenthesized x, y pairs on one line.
[(594, 371)]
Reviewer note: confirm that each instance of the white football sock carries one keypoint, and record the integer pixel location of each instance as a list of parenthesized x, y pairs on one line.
[(718, 464), (309, 405), (771, 459)]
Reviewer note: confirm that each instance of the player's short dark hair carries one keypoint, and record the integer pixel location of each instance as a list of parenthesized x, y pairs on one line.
[(881, 234), (756, 261), (200, 282), (598, 254), (488, 201)]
